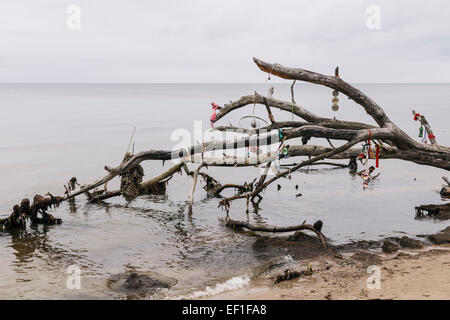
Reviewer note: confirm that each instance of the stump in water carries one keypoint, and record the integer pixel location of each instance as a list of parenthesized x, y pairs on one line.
[(130, 180), (24, 211), (15, 220), (435, 211)]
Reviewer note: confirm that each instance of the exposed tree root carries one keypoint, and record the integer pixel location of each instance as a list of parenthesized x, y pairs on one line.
[(23, 212), (130, 180)]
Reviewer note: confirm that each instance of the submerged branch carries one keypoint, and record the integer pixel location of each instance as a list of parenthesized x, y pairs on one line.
[(241, 224)]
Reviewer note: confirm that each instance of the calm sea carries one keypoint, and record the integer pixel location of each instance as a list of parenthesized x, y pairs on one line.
[(51, 132)]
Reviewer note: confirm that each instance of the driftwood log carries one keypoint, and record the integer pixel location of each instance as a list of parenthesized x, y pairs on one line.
[(394, 143), (241, 224)]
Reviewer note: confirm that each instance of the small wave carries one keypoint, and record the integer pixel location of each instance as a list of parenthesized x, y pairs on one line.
[(229, 285)]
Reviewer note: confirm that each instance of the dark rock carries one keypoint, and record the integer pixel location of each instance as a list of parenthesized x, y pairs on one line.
[(367, 258), (390, 247), (362, 244), (338, 256), (261, 243), (139, 283), (303, 237), (441, 237), (261, 271), (299, 245), (290, 274), (401, 255), (406, 242)]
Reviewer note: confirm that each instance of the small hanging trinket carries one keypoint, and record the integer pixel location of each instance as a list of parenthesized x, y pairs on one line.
[(365, 176), (367, 153), (253, 149), (424, 130), (285, 151), (269, 73), (276, 166), (335, 100), (424, 138), (280, 133), (377, 157)]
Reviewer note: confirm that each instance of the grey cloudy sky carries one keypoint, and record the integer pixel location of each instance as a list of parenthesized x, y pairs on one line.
[(214, 41)]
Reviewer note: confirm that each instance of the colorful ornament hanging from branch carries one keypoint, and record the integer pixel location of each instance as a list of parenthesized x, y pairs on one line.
[(367, 152), (425, 131)]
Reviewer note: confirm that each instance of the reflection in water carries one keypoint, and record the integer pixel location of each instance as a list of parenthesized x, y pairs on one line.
[(35, 245), (256, 208), (25, 243), (174, 222), (72, 206)]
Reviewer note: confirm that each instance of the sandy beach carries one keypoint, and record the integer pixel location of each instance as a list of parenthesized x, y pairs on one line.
[(407, 274)]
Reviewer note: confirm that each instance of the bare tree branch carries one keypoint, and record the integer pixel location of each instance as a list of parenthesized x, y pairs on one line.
[(333, 82)]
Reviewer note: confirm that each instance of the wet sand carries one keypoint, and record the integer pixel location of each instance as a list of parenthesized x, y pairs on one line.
[(412, 274)]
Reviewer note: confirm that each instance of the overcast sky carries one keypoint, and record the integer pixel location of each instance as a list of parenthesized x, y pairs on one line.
[(214, 41)]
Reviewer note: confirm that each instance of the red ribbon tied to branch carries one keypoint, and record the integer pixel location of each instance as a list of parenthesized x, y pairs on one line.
[(213, 117), (377, 157)]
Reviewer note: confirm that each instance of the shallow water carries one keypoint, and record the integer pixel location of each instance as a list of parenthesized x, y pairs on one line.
[(51, 132)]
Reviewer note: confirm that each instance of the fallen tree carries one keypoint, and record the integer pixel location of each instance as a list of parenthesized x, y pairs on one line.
[(389, 141)]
